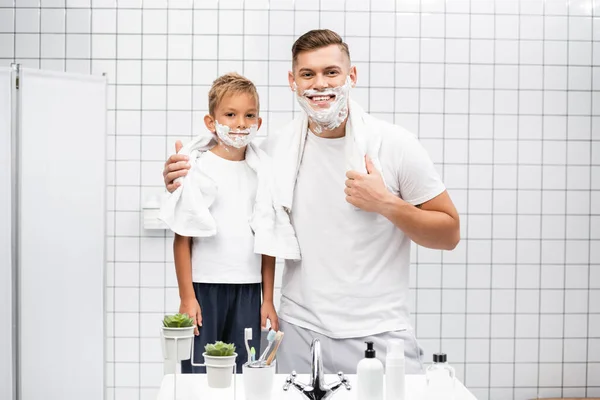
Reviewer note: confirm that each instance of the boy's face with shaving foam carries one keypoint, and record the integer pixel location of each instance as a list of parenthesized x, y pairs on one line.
[(235, 119)]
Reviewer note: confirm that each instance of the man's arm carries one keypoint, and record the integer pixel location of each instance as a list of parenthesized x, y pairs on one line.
[(182, 252), (435, 224), (267, 310)]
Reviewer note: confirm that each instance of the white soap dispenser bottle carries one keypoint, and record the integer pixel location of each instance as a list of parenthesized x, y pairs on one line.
[(369, 376), (395, 370)]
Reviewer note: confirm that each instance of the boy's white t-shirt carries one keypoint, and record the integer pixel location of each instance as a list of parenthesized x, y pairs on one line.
[(353, 278), (228, 256)]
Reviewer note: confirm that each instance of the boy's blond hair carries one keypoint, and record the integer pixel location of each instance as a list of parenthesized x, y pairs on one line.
[(229, 84)]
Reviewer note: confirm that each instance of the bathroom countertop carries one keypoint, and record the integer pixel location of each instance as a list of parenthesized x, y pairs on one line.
[(193, 386)]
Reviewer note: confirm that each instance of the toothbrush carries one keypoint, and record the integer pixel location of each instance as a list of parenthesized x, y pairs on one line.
[(270, 337), (277, 342), (248, 337), (253, 352)]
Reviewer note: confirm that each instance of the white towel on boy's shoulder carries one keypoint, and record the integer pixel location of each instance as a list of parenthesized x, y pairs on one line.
[(186, 211)]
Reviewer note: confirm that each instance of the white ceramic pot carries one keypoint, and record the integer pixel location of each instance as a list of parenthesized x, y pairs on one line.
[(177, 343), (219, 370), (258, 382)]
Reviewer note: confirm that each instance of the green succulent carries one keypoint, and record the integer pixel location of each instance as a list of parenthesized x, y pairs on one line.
[(220, 349), (178, 321)]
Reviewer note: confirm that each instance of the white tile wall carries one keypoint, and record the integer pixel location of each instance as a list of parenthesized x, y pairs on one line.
[(503, 94)]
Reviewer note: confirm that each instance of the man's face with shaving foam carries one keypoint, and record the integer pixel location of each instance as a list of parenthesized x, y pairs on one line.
[(317, 71)]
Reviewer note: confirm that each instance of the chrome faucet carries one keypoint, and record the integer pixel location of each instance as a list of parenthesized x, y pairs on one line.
[(316, 389)]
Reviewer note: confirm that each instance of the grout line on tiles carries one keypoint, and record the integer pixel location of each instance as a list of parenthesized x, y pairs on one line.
[(218, 36), (66, 48), (540, 273), (90, 40), (305, 10), (125, 58), (488, 89), (14, 8), (395, 59), (516, 278), (40, 34), (348, 36), (539, 322), (114, 241), (517, 215), (589, 303), (292, 99), (565, 247), (369, 63), (466, 325), (140, 202), (492, 289), (243, 37)]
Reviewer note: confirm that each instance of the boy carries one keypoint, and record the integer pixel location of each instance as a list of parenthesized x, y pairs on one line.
[(219, 214)]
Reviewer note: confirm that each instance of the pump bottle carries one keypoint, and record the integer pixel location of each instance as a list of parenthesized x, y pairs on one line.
[(369, 376), (395, 370)]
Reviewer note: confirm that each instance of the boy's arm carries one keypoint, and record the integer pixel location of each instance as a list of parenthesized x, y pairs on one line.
[(267, 310), (182, 251)]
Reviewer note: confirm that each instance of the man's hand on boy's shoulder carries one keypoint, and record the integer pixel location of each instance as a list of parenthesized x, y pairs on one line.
[(176, 166), (267, 311)]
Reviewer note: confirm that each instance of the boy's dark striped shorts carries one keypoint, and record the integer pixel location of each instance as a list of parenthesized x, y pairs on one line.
[(227, 309)]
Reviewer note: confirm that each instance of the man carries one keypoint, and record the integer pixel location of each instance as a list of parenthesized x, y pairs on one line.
[(358, 190)]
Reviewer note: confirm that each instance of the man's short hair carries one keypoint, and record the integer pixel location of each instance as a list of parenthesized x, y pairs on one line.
[(316, 39), (225, 85)]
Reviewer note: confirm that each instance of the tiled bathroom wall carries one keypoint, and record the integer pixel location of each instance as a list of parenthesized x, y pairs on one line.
[(503, 94)]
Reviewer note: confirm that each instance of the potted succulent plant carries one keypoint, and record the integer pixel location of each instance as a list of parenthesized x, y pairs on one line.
[(219, 358), (177, 334)]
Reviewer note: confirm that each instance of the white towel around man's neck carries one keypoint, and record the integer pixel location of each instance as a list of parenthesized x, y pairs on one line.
[(361, 140)]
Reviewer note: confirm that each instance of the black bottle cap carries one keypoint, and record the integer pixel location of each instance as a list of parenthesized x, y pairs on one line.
[(370, 352), (439, 357)]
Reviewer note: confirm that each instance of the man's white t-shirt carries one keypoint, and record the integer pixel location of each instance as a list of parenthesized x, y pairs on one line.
[(228, 257), (353, 278)]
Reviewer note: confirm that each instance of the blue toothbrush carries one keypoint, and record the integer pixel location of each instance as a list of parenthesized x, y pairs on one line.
[(271, 339)]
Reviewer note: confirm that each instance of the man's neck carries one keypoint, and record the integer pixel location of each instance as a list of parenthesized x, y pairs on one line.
[(338, 132)]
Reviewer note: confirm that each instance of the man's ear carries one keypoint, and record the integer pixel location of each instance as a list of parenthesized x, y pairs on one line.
[(209, 121), (353, 75), (291, 80)]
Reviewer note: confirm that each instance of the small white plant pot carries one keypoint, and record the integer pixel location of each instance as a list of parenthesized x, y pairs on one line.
[(177, 343), (219, 370)]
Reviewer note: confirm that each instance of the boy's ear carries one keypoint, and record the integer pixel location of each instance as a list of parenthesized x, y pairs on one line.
[(259, 122), (209, 121)]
